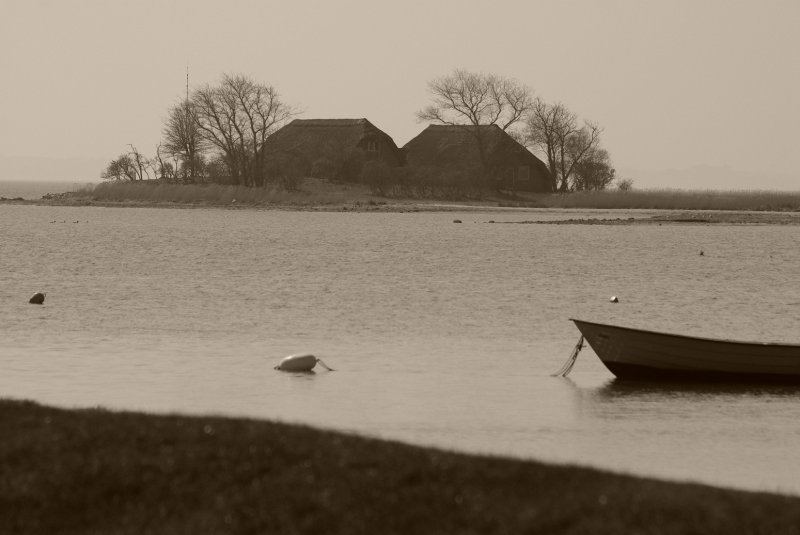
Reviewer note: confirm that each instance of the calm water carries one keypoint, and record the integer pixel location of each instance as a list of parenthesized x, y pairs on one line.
[(11, 189), (441, 334)]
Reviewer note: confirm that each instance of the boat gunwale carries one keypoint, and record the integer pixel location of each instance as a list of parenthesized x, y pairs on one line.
[(688, 337)]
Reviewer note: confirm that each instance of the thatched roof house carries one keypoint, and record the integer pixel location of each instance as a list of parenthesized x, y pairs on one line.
[(505, 163), (330, 148)]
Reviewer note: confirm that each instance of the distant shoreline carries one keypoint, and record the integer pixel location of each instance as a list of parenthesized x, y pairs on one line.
[(698, 217), (667, 206), (95, 470)]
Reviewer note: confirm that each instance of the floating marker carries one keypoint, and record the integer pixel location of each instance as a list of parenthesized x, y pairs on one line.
[(37, 299), (300, 363), (614, 299)]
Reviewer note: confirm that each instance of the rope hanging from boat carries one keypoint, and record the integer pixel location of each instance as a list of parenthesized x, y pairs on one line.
[(567, 367), (324, 365)]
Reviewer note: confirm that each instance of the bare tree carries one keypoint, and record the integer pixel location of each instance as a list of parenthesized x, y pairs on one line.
[(554, 132), (594, 171), (140, 163), (544, 125), (161, 169), (182, 138), (575, 149), (135, 166), (120, 169), (236, 117), (474, 101)]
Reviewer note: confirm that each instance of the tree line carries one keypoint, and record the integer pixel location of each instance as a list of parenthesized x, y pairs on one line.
[(568, 146), (217, 133)]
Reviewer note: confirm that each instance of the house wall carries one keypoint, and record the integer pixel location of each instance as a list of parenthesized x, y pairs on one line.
[(520, 173), (377, 147), (514, 167)]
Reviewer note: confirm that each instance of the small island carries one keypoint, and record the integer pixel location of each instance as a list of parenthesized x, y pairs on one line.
[(489, 144)]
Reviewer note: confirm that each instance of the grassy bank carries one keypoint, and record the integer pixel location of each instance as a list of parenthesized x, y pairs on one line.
[(311, 193), (94, 471), (319, 194)]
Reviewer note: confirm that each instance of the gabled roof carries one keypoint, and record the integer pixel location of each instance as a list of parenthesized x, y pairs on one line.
[(318, 137), (446, 143), (442, 137)]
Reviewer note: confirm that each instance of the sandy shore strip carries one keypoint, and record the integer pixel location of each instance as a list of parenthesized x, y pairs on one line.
[(678, 217), (541, 216)]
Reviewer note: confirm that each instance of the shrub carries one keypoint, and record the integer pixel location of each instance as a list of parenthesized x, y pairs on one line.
[(378, 176), (624, 184)]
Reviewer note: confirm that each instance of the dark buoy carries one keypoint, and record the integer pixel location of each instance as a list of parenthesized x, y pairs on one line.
[(701, 252), (37, 299), (456, 221)]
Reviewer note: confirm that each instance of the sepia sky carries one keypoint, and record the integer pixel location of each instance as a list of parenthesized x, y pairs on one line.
[(701, 89)]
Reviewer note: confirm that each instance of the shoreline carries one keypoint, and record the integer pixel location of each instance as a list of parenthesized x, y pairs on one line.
[(606, 207), (649, 215), (95, 470)]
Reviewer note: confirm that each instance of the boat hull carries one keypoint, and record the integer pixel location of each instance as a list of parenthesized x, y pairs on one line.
[(648, 355)]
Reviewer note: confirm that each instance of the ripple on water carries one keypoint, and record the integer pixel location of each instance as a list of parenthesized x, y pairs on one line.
[(440, 334)]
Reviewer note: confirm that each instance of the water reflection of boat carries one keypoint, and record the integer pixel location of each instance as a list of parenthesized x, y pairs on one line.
[(616, 389), (648, 355)]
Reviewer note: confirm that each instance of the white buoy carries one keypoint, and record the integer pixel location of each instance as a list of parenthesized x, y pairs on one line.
[(614, 299), (300, 363)]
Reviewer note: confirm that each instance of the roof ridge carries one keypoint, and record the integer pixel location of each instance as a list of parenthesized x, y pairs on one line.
[(332, 121), (463, 126)]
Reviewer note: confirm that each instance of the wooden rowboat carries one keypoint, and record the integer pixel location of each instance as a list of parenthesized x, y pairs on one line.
[(639, 354)]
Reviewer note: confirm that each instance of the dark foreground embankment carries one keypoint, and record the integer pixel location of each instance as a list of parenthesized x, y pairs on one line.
[(95, 471)]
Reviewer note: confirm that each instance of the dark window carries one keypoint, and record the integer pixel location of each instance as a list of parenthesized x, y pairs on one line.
[(372, 146)]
